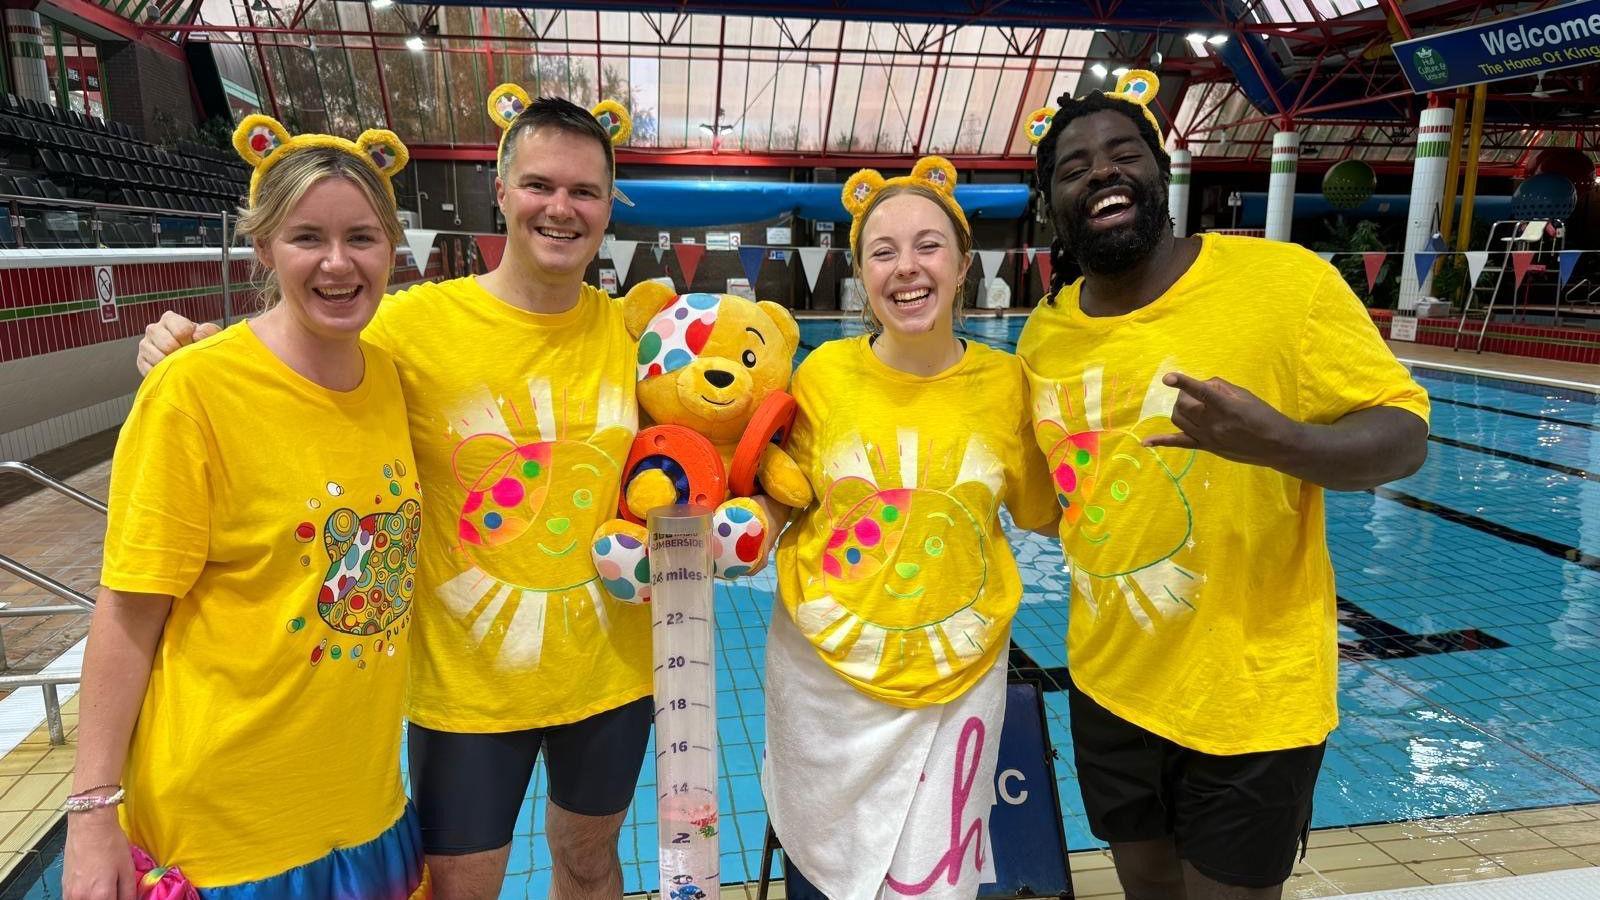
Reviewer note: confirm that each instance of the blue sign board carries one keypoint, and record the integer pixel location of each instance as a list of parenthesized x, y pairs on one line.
[(1030, 846), (1555, 38)]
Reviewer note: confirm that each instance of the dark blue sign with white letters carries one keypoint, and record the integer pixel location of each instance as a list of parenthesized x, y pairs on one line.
[(1541, 41), (1030, 846)]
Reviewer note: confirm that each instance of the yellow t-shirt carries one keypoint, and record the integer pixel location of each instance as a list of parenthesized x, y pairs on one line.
[(900, 574), (283, 519), (521, 424), (1203, 604)]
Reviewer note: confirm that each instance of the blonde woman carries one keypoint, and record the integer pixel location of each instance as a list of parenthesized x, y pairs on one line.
[(245, 676)]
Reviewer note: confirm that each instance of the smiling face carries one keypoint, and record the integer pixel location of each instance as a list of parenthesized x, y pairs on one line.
[(332, 260), (911, 265), (556, 197), (1108, 199), (530, 509), (1101, 479), (887, 549)]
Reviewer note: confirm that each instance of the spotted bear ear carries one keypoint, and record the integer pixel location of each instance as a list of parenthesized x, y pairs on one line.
[(384, 149), (938, 173), (258, 137), (1037, 125), (1139, 86), (858, 190), (506, 102), (614, 118)]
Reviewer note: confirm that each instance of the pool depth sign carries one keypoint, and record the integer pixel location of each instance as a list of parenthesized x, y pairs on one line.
[(1541, 41)]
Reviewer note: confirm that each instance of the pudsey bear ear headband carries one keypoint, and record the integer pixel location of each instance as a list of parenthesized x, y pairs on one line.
[(1138, 86), (263, 142), (934, 172), (508, 101)]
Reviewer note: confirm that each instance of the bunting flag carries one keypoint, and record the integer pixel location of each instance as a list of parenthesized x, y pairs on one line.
[(1027, 258), (1374, 262), (1476, 260), (689, 256), (607, 251), (752, 258), (1326, 257), (659, 251), (1042, 263), (492, 247), (1569, 261), (420, 242), (812, 258), (991, 260), (622, 260), (1521, 260), (1424, 260)]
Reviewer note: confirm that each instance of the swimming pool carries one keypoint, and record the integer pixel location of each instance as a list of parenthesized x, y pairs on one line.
[(1470, 629)]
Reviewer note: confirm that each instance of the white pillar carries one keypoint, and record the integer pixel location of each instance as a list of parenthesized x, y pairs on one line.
[(1280, 187), (1427, 191), (25, 42), (1178, 191)]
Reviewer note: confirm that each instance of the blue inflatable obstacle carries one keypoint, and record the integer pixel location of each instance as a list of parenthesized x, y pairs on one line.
[(693, 204)]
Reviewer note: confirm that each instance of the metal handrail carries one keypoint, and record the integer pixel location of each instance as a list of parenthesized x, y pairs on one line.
[(110, 207), (52, 699), (60, 487), (80, 603), (41, 580)]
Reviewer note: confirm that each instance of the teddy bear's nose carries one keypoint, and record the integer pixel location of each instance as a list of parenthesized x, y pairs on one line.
[(719, 378)]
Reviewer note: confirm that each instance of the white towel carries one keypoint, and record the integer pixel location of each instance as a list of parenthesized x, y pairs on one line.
[(858, 790)]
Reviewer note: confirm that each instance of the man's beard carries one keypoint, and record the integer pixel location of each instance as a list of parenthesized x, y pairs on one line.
[(1120, 249)]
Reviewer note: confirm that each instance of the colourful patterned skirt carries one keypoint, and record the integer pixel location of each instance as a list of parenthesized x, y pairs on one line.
[(388, 867)]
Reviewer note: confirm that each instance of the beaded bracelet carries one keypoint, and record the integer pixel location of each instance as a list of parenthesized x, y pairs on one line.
[(86, 801)]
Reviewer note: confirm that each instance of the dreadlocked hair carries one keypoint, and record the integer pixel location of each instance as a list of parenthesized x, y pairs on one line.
[(1044, 167)]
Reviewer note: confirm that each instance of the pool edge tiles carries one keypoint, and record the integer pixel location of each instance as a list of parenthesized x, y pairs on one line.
[(34, 780)]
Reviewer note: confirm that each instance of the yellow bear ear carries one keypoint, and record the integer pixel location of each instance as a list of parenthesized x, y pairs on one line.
[(1139, 86), (787, 326), (614, 118), (506, 102), (258, 137), (384, 149), (859, 189), (938, 172), (1037, 125)]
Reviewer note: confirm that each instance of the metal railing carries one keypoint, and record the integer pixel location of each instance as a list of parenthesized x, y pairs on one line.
[(77, 604)]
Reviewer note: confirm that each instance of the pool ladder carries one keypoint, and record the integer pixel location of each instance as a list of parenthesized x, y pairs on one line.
[(77, 603)]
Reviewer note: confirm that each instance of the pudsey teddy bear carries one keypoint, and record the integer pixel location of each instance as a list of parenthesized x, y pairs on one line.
[(713, 370)]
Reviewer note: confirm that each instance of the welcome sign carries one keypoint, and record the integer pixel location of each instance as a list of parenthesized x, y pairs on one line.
[(1541, 41)]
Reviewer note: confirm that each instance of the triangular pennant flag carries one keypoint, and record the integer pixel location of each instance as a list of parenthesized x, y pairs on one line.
[(659, 250), (788, 256), (1374, 262), (607, 251), (1027, 259), (1043, 264), (1476, 260), (1569, 261), (811, 258), (1424, 261), (622, 260), (689, 256), (420, 241), (849, 260), (492, 246), (752, 258), (991, 260), (1520, 261), (1326, 257)]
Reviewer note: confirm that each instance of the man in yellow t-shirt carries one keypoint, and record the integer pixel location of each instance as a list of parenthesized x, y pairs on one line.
[(519, 386), (1194, 397)]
